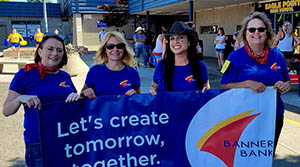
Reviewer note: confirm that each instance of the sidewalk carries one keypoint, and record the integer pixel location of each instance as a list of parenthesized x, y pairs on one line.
[(288, 150)]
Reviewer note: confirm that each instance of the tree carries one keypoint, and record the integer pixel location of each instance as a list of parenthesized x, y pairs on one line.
[(117, 13)]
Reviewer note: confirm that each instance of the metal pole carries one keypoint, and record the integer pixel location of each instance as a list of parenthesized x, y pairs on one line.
[(45, 15), (191, 11), (147, 20)]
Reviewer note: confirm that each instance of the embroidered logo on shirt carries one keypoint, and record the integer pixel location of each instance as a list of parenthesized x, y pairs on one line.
[(124, 83), (275, 67), (189, 78), (63, 84)]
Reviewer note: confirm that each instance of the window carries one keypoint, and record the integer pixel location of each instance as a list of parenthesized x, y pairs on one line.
[(208, 29)]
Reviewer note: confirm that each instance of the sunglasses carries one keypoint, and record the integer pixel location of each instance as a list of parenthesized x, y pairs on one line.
[(260, 29), (111, 46)]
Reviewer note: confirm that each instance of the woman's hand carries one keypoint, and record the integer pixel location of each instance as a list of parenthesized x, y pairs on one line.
[(30, 101), (72, 97), (89, 93), (282, 87), (130, 92), (258, 87)]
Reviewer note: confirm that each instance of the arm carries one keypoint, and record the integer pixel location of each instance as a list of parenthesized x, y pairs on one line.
[(258, 87), (206, 86), (14, 101)]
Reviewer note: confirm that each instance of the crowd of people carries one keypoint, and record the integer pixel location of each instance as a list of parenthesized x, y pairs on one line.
[(178, 68)]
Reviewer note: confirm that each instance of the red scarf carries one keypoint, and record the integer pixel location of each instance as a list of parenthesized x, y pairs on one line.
[(43, 69), (262, 58)]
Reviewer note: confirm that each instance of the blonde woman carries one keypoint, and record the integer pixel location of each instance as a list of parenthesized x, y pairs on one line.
[(114, 72), (285, 39)]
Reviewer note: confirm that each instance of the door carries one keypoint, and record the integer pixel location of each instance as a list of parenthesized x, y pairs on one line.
[(3, 35)]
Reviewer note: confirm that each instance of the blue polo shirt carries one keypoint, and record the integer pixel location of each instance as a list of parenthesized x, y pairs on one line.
[(242, 67), (139, 36), (107, 82), (54, 87), (182, 79)]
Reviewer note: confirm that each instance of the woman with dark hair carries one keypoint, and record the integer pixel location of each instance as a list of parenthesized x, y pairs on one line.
[(257, 64), (220, 46), (37, 84), (114, 72), (181, 69)]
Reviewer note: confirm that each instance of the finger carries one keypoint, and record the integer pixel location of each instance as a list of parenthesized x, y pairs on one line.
[(35, 102), (204, 89)]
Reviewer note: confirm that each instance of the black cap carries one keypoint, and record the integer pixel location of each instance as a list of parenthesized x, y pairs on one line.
[(180, 27)]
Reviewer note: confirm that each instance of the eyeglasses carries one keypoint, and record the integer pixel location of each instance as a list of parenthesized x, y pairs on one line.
[(111, 46), (260, 29)]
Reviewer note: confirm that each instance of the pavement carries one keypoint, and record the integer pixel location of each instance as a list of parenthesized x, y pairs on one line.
[(12, 146)]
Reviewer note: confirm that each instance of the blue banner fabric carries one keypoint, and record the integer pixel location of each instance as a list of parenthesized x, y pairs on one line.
[(169, 129)]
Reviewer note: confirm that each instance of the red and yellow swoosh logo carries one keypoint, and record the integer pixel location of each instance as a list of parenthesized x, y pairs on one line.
[(189, 78), (274, 66), (63, 84), (123, 83), (231, 130)]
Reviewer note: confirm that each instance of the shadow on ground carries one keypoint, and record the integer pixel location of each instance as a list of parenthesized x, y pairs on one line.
[(16, 162), (289, 161)]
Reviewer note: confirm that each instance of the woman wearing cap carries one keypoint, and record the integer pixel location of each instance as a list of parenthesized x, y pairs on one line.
[(285, 40), (114, 72), (36, 85), (220, 46), (14, 38), (181, 69), (257, 65)]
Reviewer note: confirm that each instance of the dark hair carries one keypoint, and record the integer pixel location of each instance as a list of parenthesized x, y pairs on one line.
[(37, 57), (222, 30), (169, 62)]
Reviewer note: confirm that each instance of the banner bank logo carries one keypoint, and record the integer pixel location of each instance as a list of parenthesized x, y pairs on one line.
[(218, 145)]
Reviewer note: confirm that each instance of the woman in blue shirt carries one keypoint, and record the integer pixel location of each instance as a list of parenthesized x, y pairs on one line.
[(37, 84), (257, 65), (114, 72), (181, 69)]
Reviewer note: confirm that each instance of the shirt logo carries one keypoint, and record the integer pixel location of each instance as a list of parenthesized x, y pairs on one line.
[(189, 78), (275, 67), (124, 83), (63, 84)]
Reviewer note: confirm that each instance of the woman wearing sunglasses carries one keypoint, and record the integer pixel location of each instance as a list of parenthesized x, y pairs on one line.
[(114, 72), (38, 84), (180, 69), (257, 65)]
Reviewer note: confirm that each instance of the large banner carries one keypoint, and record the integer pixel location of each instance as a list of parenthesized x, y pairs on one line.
[(216, 129)]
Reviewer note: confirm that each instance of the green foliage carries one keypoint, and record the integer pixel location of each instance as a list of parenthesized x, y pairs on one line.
[(4, 0), (117, 14)]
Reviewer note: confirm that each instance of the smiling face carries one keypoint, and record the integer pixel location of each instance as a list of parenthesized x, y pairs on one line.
[(114, 54), (179, 44), (256, 38), (51, 52)]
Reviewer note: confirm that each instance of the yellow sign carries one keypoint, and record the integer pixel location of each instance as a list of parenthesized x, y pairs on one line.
[(282, 6)]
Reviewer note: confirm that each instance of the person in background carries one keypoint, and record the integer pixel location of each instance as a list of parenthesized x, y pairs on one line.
[(199, 48), (139, 38), (38, 36), (39, 83), (14, 37), (252, 66), (220, 46), (285, 40), (181, 69), (101, 35), (159, 48), (56, 32), (150, 38), (237, 42), (114, 72)]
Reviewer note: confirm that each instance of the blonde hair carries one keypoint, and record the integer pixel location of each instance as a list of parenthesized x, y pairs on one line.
[(263, 17), (128, 55), (288, 26)]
